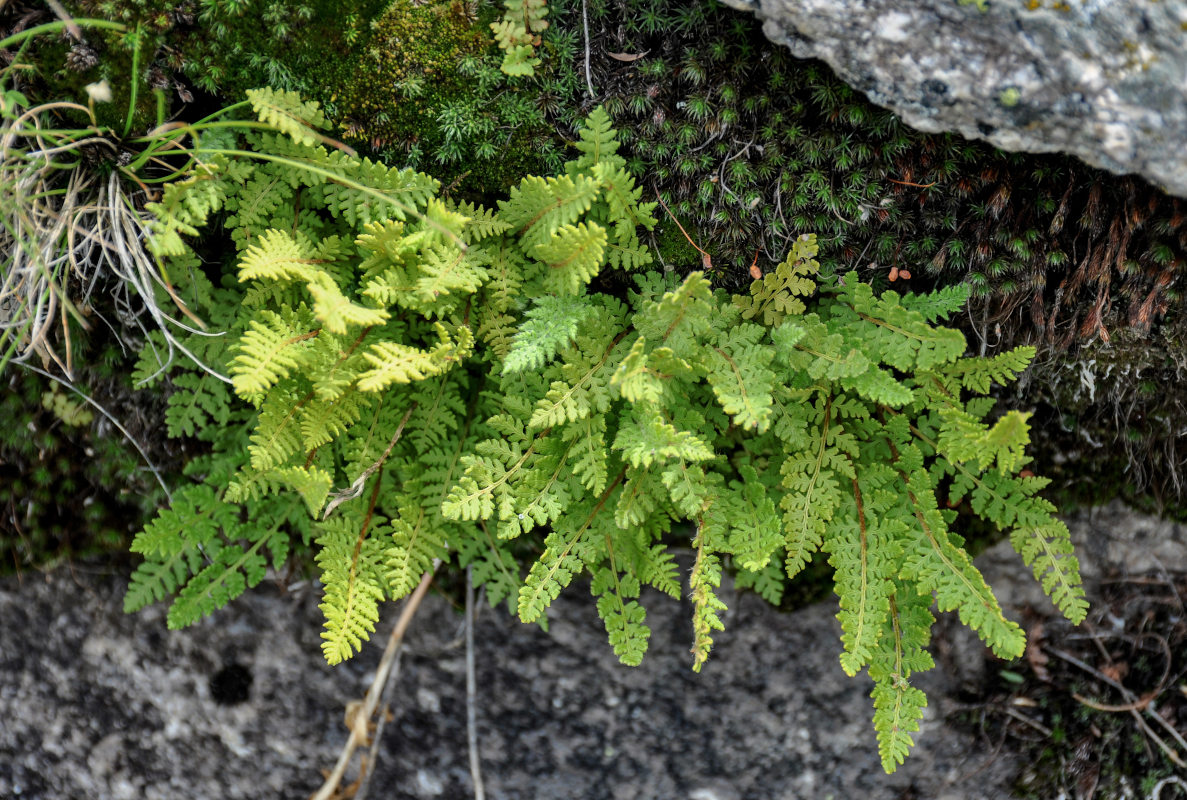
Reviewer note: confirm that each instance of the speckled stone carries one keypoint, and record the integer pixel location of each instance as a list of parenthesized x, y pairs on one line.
[(1104, 80), (97, 704)]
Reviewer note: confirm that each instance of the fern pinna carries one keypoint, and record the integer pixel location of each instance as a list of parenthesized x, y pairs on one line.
[(421, 379)]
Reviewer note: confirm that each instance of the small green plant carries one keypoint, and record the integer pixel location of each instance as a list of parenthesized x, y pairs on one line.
[(75, 221), (221, 47), (518, 34), (69, 411), (418, 380), (423, 88), (70, 487)]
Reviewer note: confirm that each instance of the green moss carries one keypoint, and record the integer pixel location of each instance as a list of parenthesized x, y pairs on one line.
[(217, 46), (402, 70), (66, 491), (422, 87), (750, 148), (674, 249)]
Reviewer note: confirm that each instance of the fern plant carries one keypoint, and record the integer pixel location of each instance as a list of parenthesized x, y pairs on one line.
[(518, 34), (418, 379)]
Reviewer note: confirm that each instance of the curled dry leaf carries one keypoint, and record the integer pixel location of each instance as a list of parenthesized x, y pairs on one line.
[(1034, 653), (1116, 671), (627, 56)]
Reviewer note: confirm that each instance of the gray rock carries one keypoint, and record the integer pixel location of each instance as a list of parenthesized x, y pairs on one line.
[(97, 704), (1105, 80), (1110, 540)]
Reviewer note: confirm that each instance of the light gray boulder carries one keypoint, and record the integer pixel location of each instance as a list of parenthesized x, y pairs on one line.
[(1104, 80)]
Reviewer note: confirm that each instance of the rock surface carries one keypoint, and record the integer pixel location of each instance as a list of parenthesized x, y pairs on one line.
[(97, 704), (1105, 80)]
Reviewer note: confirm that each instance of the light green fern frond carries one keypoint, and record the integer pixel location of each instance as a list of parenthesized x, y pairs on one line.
[(778, 294), (287, 112), (351, 560), (703, 582), (548, 326), (573, 255), (271, 349)]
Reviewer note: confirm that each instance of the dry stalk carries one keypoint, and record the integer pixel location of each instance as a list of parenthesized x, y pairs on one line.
[(65, 230), (360, 717)]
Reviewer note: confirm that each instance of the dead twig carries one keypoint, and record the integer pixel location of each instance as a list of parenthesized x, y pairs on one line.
[(369, 761), (1156, 792), (1130, 697), (1025, 720), (585, 26), (706, 260), (472, 692), (360, 720), (356, 488)]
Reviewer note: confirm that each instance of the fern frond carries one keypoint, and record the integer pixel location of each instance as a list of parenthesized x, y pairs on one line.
[(188, 203), (645, 438), (740, 376), (567, 550), (277, 436), (814, 490), (481, 222), (703, 581), (624, 619), (573, 255), (586, 389), (963, 437), (1047, 550), (755, 533), (232, 571), (496, 325), (398, 363), (539, 206), (862, 577), (936, 565), (548, 326), (978, 374), (415, 542), (898, 706), (312, 484), (335, 311), (406, 189), (439, 412), (635, 378), (288, 113), (277, 256), (680, 317), (271, 349), (588, 456), (199, 401), (517, 34), (902, 338), (176, 543), (939, 304), (351, 560), (449, 272), (778, 294)]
